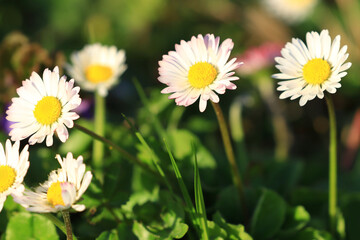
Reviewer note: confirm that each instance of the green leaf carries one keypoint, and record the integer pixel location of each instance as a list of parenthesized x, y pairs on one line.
[(160, 220), (296, 219), (151, 113), (155, 159), (142, 233), (234, 232), (283, 176), (269, 215), (78, 142), (352, 218), (108, 235), (30, 226), (215, 231), (199, 200), (180, 142), (228, 204), (340, 225), (189, 205), (312, 234)]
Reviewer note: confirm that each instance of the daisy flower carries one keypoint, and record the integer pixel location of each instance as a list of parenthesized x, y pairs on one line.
[(62, 190), (311, 69), (13, 168), (97, 67), (291, 11), (43, 107), (198, 69)]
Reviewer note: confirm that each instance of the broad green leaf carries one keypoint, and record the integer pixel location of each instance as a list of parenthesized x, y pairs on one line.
[(296, 219), (108, 235), (155, 159), (312, 234), (234, 232), (180, 142), (352, 218), (215, 231), (151, 111), (283, 176), (161, 220), (78, 141), (228, 204), (30, 226), (122, 231), (269, 216), (142, 233), (140, 198)]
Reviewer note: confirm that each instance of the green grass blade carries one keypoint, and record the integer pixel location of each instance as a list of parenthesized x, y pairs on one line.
[(184, 191), (199, 200), (154, 157), (155, 160), (145, 101)]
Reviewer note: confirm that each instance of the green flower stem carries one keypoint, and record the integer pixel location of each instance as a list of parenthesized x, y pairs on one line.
[(99, 128), (57, 222), (332, 165), (237, 133), (230, 156), (281, 131), (123, 152), (67, 221)]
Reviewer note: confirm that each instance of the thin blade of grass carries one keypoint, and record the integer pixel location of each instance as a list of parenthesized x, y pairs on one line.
[(184, 191), (145, 101), (155, 160), (199, 200), (154, 157)]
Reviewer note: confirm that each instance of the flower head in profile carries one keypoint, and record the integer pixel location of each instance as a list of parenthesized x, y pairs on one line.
[(97, 67), (309, 70), (43, 107), (13, 168), (291, 11), (62, 190), (198, 69)]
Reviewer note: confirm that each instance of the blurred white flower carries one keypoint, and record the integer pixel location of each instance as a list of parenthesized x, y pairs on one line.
[(97, 68), (291, 11)]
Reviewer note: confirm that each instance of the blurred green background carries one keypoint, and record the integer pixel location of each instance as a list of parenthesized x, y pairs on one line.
[(39, 33)]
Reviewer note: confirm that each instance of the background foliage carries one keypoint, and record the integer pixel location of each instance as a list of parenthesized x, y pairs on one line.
[(284, 161)]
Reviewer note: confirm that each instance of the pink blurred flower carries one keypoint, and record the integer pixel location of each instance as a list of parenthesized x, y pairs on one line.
[(258, 58)]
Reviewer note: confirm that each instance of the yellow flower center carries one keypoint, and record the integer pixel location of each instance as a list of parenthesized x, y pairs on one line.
[(201, 74), (97, 73), (47, 110), (316, 71), (7, 177), (54, 194)]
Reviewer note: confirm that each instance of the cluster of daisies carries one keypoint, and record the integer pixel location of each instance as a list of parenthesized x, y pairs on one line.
[(44, 107), (197, 69)]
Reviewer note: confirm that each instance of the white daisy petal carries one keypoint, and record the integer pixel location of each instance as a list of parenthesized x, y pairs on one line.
[(41, 105), (198, 69), (61, 191), (97, 67), (13, 168), (308, 70)]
